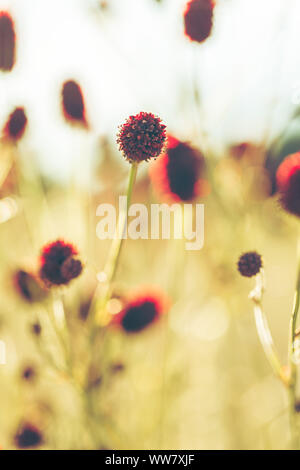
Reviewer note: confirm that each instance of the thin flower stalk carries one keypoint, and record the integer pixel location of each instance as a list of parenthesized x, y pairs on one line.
[(293, 347), (263, 329), (98, 310)]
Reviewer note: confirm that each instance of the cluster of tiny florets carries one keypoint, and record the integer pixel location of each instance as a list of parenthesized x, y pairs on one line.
[(59, 264), (250, 264), (141, 137)]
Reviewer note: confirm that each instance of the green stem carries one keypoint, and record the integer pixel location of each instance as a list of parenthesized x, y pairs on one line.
[(114, 256), (264, 332), (115, 251), (110, 271), (292, 347), (58, 318), (267, 342)]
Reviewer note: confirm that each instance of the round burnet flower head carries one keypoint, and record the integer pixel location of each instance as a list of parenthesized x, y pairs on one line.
[(288, 184), (59, 264), (142, 308), (141, 137), (250, 264), (15, 125), (198, 19), (176, 175), (28, 436)]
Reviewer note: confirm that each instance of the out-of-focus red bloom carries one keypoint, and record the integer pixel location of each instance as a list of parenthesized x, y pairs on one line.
[(15, 125), (7, 42), (238, 151), (142, 308), (198, 19), (288, 183), (176, 175), (28, 286), (141, 137), (28, 373), (28, 436), (73, 103), (36, 329), (58, 263)]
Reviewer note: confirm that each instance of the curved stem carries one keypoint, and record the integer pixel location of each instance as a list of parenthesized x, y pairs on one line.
[(292, 345), (293, 321), (264, 332), (266, 340)]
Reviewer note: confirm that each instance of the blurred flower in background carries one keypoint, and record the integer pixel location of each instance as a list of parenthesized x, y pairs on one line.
[(7, 42), (178, 174)]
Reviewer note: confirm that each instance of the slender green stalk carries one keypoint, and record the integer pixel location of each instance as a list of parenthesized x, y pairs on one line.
[(114, 254), (98, 310), (267, 342), (61, 328), (264, 332), (113, 259), (292, 347)]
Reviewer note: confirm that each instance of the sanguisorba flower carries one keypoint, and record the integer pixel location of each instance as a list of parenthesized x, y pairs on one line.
[(198, 19), (28, 286), (250, 264), (141, 137), (15, 125), (142, 308), (176, 175), (73, 106), (28, 436), (7, 42), (288, 184), (59, 263)]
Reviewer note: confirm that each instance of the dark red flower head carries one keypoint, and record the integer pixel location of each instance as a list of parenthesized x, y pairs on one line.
[(176, 174), (141, 137), (7, 42), (142, 309), (198, 19), (73, 103), (59, 264), (15, 125), (28, 286), (288, 183), (250, 264), (28, 436)]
